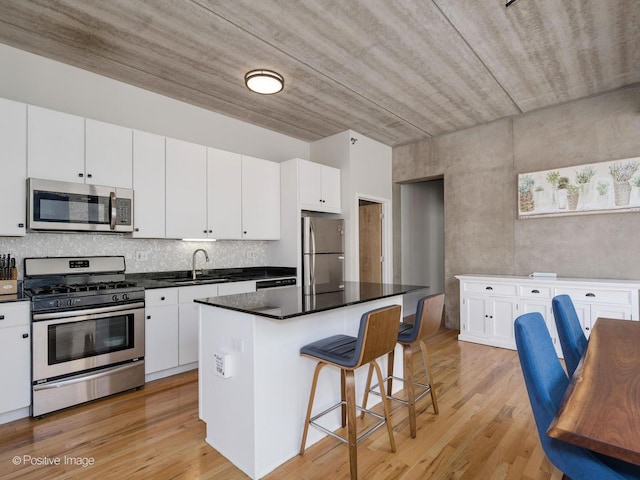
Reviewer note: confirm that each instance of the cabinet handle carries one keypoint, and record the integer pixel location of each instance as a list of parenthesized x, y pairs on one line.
[(590, 295), (21, 225), (25, 335), (81, 175), (89, 175), (535, 291), (136, 229), (489, 288), (210, 231), (586, 328), (148, 317), (161, 298), (204, 231), (1, 317), (245, 232)]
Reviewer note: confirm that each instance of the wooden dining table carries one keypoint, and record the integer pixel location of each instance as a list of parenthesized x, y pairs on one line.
[(601, 407)]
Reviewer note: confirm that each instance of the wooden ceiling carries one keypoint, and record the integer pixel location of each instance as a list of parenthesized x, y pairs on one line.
[(395, 71)]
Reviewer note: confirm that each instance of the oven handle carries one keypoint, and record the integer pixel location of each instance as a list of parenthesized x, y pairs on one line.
[(85, 378), (88, 311)]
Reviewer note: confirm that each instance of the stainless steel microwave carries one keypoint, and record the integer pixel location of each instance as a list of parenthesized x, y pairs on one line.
[(54, 205)]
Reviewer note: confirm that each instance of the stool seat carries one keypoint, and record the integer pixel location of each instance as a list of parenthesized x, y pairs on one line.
[(377, 336), (406, 333), (337, 349)]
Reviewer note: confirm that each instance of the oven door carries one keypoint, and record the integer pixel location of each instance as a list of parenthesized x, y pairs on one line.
[(66, 343)]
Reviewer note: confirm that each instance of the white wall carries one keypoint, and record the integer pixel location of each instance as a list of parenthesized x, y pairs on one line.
[(365, 173), (36, 80)]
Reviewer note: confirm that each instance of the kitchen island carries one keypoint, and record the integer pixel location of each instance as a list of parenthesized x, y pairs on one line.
[(254, 385)]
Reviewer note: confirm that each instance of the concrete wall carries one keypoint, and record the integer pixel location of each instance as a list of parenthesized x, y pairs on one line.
[(480, 167)]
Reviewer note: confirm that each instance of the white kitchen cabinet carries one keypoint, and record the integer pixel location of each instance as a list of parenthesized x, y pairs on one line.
[(186, 189), (232, 288), (13, 162), (490, 304), (15, 361), (55, 145), (108, 154), (188, 334), (224, 194), (260, 199), (161, 329), (319, 187), (148, 185)]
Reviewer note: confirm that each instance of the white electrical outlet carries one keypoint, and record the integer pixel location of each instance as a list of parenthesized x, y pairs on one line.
[(224, 364), (142, 256)]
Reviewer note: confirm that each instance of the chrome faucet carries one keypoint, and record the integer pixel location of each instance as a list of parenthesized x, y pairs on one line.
[(195, 272)]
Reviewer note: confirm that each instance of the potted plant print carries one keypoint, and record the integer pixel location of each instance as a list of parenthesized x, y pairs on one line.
[(603, 193), (573, 194), (525, 189), (621, 173), (583, 180), (552, 178), (635, 192), (563, 183)]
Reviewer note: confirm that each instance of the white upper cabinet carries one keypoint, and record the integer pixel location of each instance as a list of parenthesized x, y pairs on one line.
[(109, 154), (55, 145), (186, 195), (13, 161), (148, 185), (224, 195), (260, 199), (319, 187), (69, 148)]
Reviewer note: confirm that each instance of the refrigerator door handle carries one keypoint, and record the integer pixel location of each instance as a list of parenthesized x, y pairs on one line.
[(312, 235)]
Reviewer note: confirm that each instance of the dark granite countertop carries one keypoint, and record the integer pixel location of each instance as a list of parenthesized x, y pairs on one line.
[(168, 279), (288, 302)]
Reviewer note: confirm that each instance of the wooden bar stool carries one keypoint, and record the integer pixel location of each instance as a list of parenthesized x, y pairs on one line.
[(377, 336), (411, 336)]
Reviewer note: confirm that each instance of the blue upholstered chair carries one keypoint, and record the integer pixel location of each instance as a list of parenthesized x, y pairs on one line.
[(376, 337), (572, 338), (546, 383)]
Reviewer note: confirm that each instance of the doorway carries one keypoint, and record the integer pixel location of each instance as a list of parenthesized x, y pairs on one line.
[(370, 241)]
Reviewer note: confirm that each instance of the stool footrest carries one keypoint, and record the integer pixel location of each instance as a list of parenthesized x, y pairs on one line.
[(427, 389), (312, 421)]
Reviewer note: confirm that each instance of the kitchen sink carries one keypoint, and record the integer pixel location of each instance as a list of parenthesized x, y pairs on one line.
[(197, 281)]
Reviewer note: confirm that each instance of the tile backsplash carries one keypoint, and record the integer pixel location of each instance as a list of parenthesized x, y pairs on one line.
[(161, 255)]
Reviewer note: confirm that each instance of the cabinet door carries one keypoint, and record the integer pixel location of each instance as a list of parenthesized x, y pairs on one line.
[(260, 199), (186, 201), (109, 154), (15, 358), (502, 313), (544, 308), (188, 334), (224, 194), (474, 317), (148, 185), (583, 310), (309, 184), (330, 189), (598, 310), (13, 161), (55, 145), (161, 338)]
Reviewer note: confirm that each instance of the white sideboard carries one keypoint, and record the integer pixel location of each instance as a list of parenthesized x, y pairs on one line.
[(489, 304)]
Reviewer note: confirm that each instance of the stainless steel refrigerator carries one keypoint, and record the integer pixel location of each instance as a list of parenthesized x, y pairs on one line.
[(322, 254)]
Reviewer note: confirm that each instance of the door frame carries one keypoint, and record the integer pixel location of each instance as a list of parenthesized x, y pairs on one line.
[(387, 240)]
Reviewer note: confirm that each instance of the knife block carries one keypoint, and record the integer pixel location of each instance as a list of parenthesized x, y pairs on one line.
[(8, 287)]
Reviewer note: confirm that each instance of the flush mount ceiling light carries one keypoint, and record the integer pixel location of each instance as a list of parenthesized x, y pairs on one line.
[(265, 82)]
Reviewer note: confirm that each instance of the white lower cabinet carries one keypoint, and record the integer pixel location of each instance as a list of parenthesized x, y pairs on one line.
[(172, 324), (15, 361), (490, 304), (161, 329)]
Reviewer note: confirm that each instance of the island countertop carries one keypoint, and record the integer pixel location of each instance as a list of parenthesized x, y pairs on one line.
[(288, 302)]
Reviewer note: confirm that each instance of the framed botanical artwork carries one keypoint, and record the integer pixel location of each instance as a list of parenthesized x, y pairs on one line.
[(605, 187)]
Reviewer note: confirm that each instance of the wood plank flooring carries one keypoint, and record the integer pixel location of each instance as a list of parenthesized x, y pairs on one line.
[(485, 430)]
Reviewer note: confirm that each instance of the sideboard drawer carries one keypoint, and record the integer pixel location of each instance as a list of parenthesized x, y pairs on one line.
[(490, 288), (619, 297), (535, 291)]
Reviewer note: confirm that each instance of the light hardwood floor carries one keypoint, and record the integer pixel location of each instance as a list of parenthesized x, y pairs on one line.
[(485, 430)]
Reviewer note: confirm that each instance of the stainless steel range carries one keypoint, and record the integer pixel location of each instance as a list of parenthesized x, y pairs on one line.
[(87, 330)]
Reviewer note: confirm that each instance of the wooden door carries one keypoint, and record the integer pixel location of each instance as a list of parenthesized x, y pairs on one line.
[(370, 235)]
